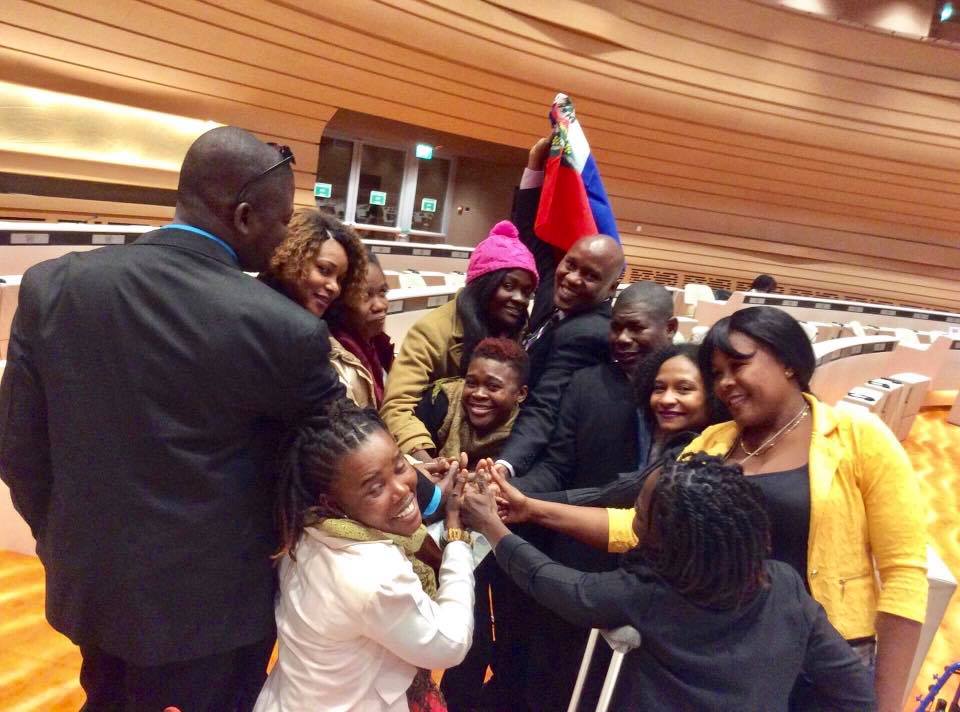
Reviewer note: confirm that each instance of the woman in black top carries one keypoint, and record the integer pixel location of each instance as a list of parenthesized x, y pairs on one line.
[(675, 406), (722, 628)]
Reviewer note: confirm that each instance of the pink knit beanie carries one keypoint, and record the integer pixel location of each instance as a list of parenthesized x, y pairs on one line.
[(501, 250)]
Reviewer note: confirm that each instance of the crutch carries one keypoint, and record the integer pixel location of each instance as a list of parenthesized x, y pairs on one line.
[(622, 640)]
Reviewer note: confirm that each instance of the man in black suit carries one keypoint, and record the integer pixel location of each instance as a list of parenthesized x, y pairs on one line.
[(599, 434), (139, 409), (570, 336), (568, 332), (591, 451)]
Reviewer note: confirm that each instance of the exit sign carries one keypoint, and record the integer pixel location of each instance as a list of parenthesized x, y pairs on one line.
[(378, 197), (322, 190), (428, 205), (424, 151)]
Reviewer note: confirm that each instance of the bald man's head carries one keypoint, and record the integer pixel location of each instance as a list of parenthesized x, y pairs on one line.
[(588, 274), (215, 170)]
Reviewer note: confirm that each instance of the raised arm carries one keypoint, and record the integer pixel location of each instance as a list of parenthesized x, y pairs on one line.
[(524, 215)]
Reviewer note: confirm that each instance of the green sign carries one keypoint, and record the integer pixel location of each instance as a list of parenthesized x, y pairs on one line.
[(424, 151), (378, 197), (322, 190), (428, 205)]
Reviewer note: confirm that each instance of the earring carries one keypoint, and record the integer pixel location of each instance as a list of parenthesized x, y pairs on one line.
[(788, 373)]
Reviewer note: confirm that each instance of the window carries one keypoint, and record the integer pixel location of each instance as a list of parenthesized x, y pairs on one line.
[(336, 157), (383, 189), (378, 190), (432, 178)]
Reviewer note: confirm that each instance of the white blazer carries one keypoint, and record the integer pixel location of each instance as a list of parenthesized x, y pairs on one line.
[(354, 624)]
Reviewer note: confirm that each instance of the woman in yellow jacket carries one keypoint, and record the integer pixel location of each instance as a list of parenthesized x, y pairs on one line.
[(841, 492)]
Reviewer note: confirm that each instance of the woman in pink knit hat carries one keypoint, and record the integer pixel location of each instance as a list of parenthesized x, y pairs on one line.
[(501, 277)]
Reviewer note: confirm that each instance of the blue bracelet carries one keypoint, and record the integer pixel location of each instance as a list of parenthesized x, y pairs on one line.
[(434, 502)]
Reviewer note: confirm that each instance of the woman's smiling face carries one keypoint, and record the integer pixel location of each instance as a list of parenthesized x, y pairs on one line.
[(376, 486), (678, 399)]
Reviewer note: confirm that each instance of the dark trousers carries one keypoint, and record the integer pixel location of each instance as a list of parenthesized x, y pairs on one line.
[(226, 682), (463, 686), (535, 657)]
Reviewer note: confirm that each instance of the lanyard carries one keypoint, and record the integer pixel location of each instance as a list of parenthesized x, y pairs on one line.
[(209, 235)]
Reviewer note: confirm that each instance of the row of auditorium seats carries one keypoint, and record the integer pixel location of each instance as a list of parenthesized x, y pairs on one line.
[(414, 291), (415, 279), (895, 399)]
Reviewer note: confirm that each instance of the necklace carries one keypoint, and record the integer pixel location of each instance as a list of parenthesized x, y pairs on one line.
[(771, 441)]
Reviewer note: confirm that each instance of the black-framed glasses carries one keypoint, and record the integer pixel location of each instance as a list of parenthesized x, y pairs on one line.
[(286, 156)]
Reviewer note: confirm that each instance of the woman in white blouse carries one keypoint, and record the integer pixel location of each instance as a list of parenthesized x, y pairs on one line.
[(360, 618)]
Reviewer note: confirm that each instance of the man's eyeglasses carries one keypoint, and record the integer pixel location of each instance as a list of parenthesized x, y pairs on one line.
[(286, 156)]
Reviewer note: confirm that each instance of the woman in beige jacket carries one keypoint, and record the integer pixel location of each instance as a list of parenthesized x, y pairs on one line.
[(360, 350), (501, 277)]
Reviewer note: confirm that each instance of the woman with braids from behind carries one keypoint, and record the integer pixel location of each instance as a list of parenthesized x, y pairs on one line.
[(722, 627), (360, 619)]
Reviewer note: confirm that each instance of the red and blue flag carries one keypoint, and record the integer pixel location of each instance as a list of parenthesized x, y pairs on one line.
[(573, 203)]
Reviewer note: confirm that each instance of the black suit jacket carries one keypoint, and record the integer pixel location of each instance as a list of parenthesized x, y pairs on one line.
[(143, 395), (577, 342), (596, 436)]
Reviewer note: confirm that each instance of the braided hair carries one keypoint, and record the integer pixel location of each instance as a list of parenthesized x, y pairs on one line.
[(708, 532), (309, 462)]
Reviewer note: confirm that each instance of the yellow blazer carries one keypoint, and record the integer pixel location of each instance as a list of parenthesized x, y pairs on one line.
[(865, 507), (430, 351)]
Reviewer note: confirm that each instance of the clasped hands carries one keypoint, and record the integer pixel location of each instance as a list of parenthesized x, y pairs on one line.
[(481, 499), (486, 501)]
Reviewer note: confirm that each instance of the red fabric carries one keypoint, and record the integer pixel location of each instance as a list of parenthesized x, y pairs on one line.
[(564, 214), (376, 357), (432, 702)]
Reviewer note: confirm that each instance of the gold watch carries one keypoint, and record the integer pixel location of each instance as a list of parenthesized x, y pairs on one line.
[(458, 535)]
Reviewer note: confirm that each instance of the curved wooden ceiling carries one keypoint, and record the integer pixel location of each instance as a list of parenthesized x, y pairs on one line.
[(732, 136)]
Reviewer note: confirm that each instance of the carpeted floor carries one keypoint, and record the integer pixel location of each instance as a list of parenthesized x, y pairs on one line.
[(39, 667)]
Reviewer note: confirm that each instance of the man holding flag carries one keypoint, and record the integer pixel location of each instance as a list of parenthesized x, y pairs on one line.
[(571, 312), (564, 218)]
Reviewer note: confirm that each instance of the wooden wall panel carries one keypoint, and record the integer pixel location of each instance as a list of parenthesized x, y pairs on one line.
[(753, 137), (38, 207)]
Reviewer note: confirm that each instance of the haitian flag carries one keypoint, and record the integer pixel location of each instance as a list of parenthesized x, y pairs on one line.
[(573, 203)]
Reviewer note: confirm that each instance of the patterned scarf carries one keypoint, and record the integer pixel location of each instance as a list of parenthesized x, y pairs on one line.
[(423, 693)]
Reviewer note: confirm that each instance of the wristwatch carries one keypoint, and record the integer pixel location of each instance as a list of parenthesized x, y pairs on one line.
[(457, 535)]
